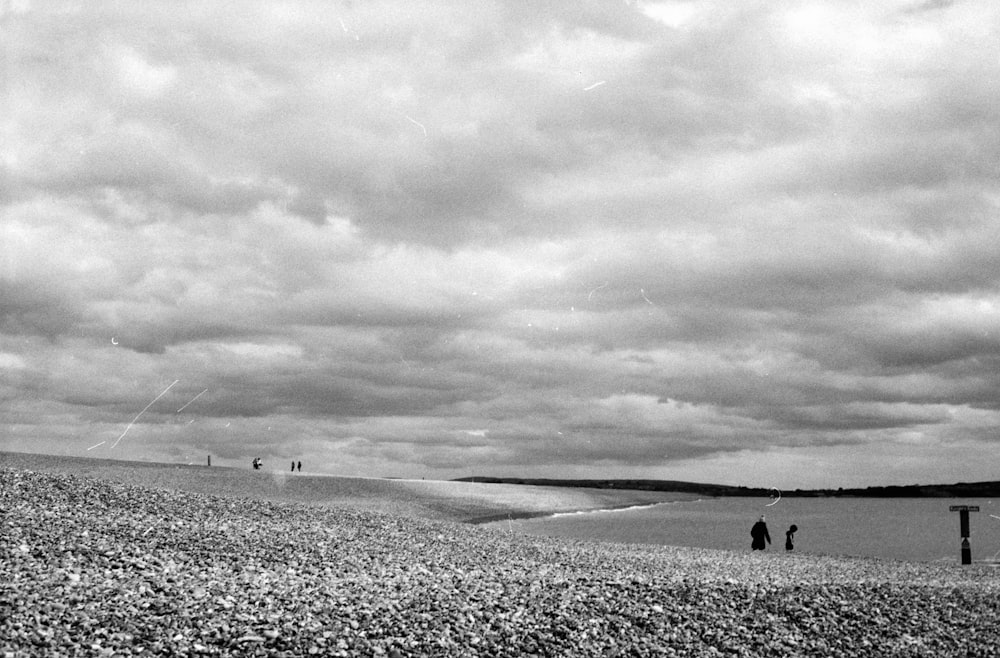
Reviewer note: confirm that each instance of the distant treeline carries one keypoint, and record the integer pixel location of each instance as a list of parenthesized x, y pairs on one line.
[(958, 490)]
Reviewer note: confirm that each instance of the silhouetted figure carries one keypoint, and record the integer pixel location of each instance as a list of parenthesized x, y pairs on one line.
[(255, 463), (293, 467), (789, 536), (759, 533), (300, 467)]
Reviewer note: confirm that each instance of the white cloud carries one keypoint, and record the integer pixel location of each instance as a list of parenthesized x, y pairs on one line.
[(137, 74), (262, 351), (12, 361), (675, 14)]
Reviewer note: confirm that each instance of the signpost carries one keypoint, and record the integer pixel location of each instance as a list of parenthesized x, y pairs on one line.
[(963, 522)]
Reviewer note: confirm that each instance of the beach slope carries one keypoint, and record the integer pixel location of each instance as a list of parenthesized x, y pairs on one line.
[(433, 499), (97, 568)]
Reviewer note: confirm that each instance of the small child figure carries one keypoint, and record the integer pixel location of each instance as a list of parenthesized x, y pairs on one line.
[(789, 536)]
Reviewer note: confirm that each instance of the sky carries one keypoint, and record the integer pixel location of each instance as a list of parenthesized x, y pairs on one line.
[(752, 243)]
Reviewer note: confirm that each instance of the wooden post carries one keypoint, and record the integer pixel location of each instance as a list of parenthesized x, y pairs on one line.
[(963, 527)]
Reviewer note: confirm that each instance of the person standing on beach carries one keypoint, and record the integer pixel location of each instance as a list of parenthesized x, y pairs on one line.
[(300, 467), (293, 466), (759, 533), (789, 536)]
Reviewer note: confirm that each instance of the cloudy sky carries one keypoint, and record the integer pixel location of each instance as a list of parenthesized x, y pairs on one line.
[(743, 242)]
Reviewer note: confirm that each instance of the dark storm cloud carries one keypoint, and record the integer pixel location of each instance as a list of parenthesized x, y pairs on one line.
[(29, 310), (928, 5)]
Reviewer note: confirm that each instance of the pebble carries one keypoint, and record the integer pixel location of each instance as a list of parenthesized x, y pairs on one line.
[(135, 571)]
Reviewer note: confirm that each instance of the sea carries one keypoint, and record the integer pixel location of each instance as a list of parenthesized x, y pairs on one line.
[(910, 529)]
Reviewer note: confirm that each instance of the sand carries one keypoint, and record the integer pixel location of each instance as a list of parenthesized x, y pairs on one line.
[(93, 567)]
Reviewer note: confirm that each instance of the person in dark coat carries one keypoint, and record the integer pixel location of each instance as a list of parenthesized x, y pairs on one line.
[(759, 534), (789, 536), (300, 467), (293, 467)]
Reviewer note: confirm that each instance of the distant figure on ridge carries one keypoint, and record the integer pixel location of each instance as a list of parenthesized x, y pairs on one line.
[(300, 467), (789, 536), (759, 533), (293, 466)]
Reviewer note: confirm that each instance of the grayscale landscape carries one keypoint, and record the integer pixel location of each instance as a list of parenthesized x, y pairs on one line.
[(383, 328)]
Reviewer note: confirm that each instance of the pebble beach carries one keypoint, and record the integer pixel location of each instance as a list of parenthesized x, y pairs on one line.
[(92, 567)]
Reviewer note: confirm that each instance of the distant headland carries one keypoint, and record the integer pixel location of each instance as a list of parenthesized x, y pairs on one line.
[(957, 490)]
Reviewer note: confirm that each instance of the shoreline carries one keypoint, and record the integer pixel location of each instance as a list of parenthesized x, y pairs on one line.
[(520, 516)]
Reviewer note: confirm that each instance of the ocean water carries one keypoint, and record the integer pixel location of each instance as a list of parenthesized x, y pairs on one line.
[(896, 528)]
